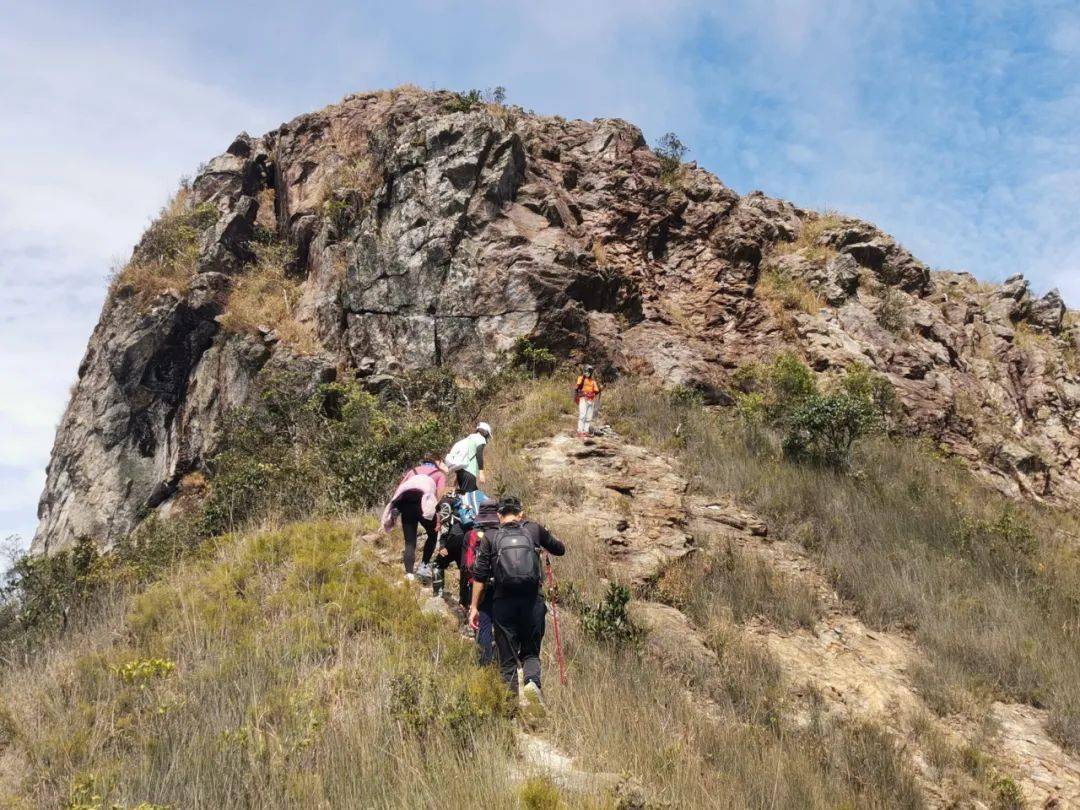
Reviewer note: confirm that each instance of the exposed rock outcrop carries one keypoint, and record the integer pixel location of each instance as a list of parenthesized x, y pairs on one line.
[(430, 232)]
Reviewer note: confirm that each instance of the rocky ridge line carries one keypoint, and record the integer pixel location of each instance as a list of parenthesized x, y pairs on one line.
[(428, 231)]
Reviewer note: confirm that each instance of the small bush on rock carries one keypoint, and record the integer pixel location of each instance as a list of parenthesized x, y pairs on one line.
[(608, 622), (535, 359)]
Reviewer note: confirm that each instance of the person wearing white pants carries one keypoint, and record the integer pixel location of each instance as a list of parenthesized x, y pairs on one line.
[(586, 409), (586, 392)]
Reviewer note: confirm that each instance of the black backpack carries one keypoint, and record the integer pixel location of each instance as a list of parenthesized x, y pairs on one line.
[(517, 562)]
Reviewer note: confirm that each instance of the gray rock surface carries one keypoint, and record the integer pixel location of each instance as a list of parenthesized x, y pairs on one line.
[(427, 235)]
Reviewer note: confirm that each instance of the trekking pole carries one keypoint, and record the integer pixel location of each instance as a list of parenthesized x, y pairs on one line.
[(555, 618)]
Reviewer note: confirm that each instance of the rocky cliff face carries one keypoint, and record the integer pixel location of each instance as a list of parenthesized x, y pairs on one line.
[(429, 230)]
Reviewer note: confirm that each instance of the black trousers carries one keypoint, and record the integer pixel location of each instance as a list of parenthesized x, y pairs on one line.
[(519, 632), (466, 481), (411, 518), (454, 543)]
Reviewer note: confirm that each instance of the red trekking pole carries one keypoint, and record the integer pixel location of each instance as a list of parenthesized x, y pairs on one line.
[(555, 618)]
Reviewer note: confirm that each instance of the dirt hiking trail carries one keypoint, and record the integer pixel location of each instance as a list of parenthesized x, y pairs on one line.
[(636, 502)]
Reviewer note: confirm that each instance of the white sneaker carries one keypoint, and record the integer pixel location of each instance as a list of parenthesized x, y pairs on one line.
[(410, 577), (423, 571)]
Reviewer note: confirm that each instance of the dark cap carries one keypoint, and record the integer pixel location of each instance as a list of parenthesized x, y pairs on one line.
[(510, 505)]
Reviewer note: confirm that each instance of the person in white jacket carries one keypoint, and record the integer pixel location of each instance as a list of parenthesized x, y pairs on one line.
[(466, 458)]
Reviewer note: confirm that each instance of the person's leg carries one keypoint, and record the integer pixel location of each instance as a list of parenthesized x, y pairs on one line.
[(466, 481), (530, 639), (432, 536), (409, 521), (485, 635), (464, 586), (583, 405), (590, 405), (506, 646)]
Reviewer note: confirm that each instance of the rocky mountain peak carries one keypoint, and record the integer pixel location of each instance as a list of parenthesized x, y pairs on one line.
[(405, 229)]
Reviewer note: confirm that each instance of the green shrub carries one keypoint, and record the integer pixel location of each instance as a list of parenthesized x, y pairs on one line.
[(463, 102), (338, 213), (823, 428), (671, 151), (816, 427), (788, 383), (295, 453), (534, 359), (539, 793), (1007, 794), (608, 622), (39, 592)]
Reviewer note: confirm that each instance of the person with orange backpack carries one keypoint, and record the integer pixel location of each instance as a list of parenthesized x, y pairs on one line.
[(586, 394)]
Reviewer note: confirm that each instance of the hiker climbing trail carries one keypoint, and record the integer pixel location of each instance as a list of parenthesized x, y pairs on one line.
[(643, 519), (637, 505)]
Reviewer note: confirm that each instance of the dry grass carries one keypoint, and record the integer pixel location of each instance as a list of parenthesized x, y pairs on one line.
[(531, 412), (786, 293), (989, 588), (623, 711), (727, 581), (165, 258), (806, 242), (265, 298), (280, 672)]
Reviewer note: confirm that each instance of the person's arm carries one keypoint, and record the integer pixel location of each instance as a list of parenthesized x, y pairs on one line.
[(481, 572), (480, 462), (550, 542), (474, 608)]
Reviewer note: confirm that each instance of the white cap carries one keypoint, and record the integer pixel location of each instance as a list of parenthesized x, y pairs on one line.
[(484, 427)]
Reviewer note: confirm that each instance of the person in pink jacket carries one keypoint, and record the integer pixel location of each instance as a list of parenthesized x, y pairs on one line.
[(414, 501)]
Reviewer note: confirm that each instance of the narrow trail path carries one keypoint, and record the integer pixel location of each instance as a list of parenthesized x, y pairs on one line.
[(635, 501)]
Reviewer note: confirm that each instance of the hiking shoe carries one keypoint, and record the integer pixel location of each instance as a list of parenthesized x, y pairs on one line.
[(423, 572), (410, 577), (534, 709)]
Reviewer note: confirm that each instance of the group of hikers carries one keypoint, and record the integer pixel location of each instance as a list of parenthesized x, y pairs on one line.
[(496, 549)]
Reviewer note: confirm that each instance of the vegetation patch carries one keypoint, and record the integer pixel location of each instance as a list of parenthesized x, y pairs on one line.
[(165, 258), (730, 582), (786, 296), (671, 152), (912, 541), (260, 677), (809, 241), (264, 298)]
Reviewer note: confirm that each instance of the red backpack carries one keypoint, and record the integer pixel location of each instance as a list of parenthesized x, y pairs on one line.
[(470, 551)]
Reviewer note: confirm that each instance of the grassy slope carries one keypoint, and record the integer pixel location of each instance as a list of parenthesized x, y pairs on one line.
[(278, 668), (990, 588), (275, 671)]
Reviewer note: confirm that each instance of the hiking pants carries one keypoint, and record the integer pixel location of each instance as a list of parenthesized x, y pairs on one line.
[(411, 517), (485, 632), (466, 481), (519, 632), (586, 409), (453, 556)]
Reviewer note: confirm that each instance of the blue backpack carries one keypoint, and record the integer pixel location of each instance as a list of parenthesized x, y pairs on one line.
[(468, 506)]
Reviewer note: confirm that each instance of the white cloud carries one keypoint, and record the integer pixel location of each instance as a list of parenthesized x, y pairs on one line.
[(96, 132)]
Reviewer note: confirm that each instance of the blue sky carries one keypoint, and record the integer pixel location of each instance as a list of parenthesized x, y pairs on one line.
[(952, 125)]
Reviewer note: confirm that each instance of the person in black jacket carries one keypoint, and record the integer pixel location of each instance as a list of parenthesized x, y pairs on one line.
[(509, 562)]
